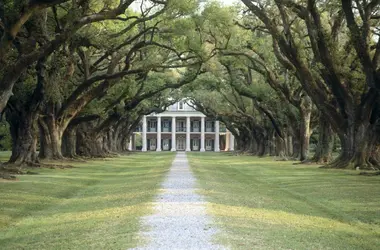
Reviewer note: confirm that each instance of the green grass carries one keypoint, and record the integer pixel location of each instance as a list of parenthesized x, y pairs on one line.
[(262, 204), (96, 205), (4, 156)]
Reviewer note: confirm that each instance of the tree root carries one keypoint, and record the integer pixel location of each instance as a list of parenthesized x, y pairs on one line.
[(370, 173), (281, 158), (311, 162), (351, 164), (10, 171)]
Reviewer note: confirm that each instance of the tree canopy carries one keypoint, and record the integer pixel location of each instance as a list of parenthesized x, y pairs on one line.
[(77, 76)]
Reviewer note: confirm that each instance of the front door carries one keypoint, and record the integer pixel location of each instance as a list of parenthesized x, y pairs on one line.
[(195, 144), (152, 144), (209, 144), (181, 144), (165, 145)]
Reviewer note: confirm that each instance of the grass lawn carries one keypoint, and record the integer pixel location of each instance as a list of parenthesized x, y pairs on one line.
[(262, 204), (96, 205)]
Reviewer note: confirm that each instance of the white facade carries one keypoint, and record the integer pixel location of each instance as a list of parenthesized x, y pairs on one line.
[(181, 128)]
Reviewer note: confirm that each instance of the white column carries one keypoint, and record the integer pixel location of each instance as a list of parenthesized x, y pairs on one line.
[(188, 125), (130, 144), (174, 148), (228, 135), (232, 142), (216, 147), (203, 134), (158, 133), (144, 128)]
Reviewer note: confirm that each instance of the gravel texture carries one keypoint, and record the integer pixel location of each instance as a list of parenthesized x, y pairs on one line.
[(180, 220)]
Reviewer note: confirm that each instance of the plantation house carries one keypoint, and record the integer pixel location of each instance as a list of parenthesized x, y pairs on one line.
[(182, 128)]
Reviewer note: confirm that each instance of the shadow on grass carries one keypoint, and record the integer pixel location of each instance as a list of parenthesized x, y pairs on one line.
[(98, 201), (276, 198)]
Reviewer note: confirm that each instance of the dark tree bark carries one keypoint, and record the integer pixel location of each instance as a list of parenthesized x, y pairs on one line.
[(24, 139), (23, 128), (51, 138), (323, 151), (88, 143), (69, 142), (359, 148)]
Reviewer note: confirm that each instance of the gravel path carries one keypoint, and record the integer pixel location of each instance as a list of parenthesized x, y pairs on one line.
[(180, 220)]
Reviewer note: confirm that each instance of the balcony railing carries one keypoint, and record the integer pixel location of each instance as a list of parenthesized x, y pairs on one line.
[(166, 130), (152, 130), (181, 129), (196, 130)]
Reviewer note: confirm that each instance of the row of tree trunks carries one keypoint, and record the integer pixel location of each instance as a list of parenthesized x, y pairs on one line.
[(294, 143), (76, 140)]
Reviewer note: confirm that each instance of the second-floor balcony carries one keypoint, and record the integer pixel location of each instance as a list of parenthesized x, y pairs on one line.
[(181, 129), (166, 130), (209, 130), (166, 127), (196, 130), (152, 130)]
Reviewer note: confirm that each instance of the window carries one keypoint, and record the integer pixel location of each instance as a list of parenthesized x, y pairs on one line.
[(166, 126), (181, 126), (196, 126), (180, 106), (152, 126), (209, 127)]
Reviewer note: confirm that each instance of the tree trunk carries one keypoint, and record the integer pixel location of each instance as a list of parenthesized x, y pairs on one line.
[(51, 138), (24, 138), (280, 147), (305, 112), (69, 142), (323, 151), (104, 142), (289, 146), (296, 148), (272, 145), (22, 118), (88, 143), (114, 140), (360, 148)]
